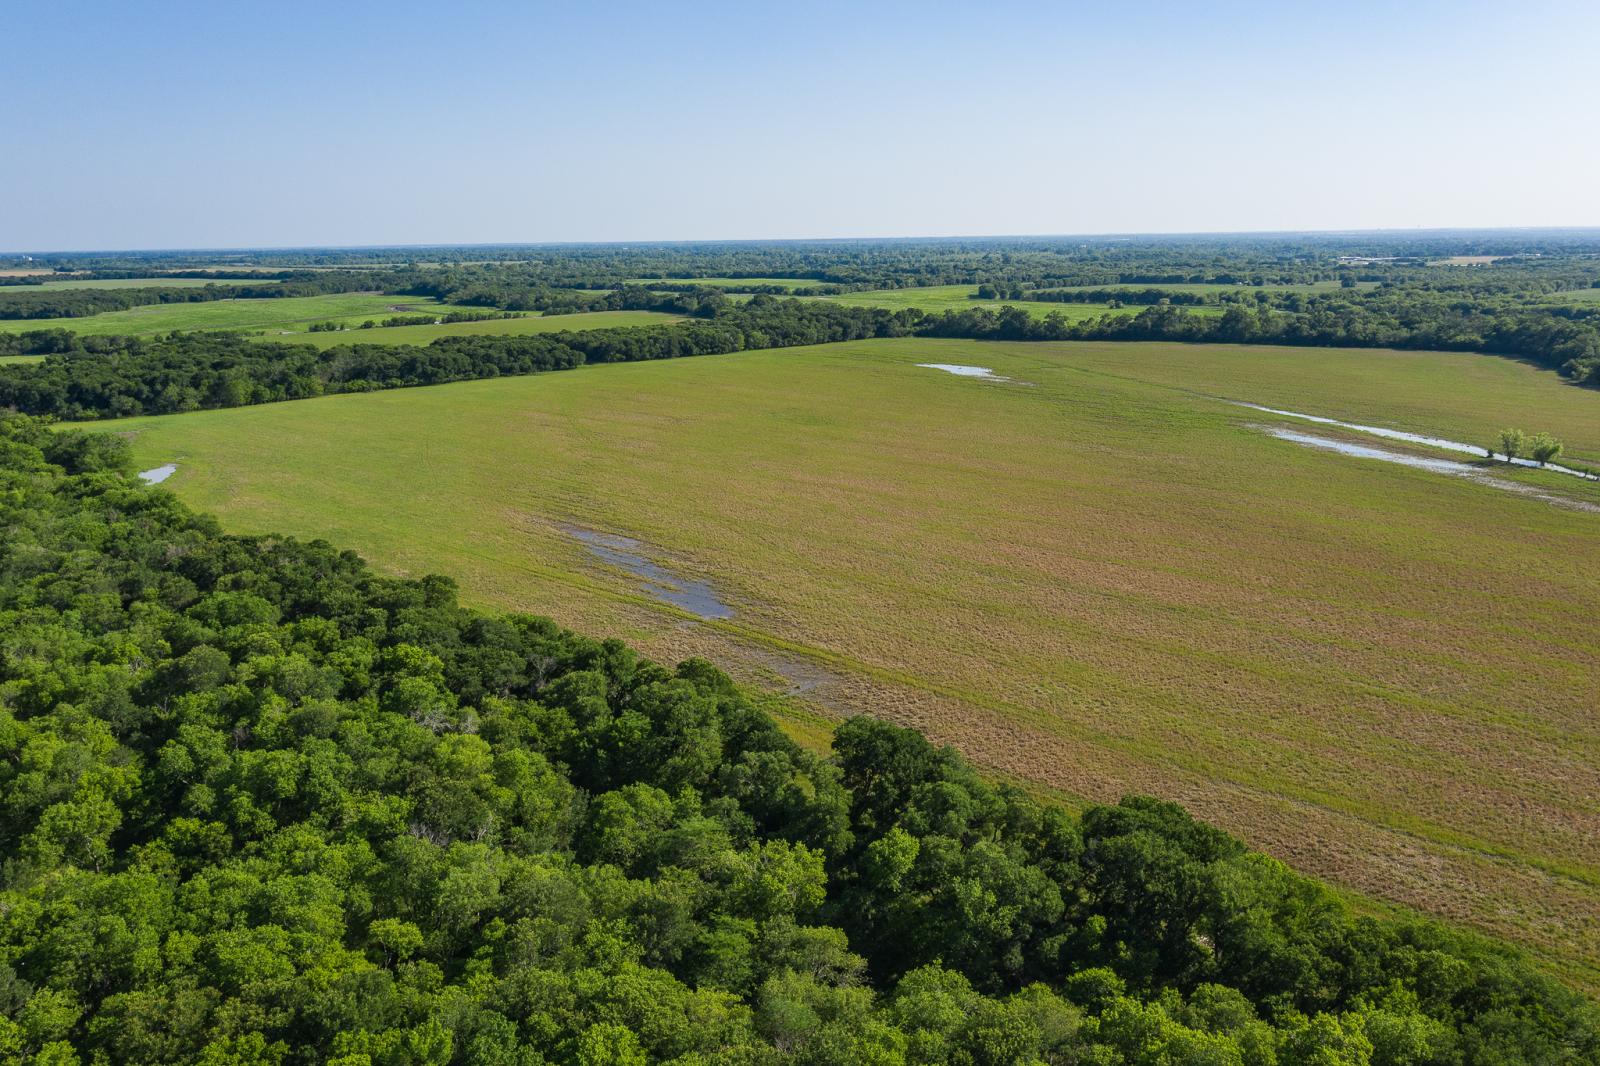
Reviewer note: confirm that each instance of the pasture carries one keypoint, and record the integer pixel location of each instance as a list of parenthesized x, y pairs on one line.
[(1100, 577), (286, 314), (527, 324)]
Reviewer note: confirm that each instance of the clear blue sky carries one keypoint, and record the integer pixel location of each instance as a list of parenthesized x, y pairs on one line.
[(140, 125)]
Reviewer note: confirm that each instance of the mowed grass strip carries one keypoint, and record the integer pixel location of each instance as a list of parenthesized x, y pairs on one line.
[(289, 314), (1105, 579), (499, 327)]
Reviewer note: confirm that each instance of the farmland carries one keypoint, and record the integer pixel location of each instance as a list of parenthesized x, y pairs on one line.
[(1103, 581), (288, 314), (521, 326)]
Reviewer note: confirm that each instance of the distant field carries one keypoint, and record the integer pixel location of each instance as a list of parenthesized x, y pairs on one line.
[(289, 314), (937, 298), (1105, 580), (494, 327), (159, 282), (729, 283), (21, 359), (1576, 296)]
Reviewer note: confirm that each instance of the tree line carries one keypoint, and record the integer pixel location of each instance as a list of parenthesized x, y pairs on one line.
[(110, 377), (80, 303), (259, 806), (91, 378), (1568, 346)]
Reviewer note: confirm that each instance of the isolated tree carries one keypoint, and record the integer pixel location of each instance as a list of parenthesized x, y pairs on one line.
[(1543, 447), (1512, 443)]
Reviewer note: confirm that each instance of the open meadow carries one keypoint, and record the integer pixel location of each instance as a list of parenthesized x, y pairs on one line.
[(291, 314), (1100, 576)]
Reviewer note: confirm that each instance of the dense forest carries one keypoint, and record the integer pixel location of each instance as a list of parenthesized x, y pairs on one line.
[(262, 806)]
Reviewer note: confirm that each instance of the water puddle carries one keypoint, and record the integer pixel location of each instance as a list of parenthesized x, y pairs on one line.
[(1422, 462), (696, 597), (158, 474), (982, 373), (1417, 438)]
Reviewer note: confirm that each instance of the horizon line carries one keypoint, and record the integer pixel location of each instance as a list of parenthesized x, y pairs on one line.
[(1103, 236)]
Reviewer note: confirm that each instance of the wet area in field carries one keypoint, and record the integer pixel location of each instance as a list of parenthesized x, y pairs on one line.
[(157, 475), (697, 597), (977, 373), (1422, 462), (1418, 438)]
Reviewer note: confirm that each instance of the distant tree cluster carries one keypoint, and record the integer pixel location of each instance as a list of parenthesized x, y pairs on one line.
[(261, 806)]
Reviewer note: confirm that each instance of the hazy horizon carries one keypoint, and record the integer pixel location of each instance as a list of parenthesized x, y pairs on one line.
[(762, 240), (379, 125)]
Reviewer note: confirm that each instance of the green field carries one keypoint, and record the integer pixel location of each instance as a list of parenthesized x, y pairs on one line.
[(1575, 296), (20, 359), (288, 314), (1105, 580), (492, 327), (159, 282), (937, 298)]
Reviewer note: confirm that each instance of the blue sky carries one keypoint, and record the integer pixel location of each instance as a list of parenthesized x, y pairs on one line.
[(217, 125)]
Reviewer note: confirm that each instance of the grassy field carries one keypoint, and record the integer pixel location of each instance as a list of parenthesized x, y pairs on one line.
[(4, 359), (289, 315), (159, 282), (937, 298), (1107, 580), (494, 327), (1576, 296)]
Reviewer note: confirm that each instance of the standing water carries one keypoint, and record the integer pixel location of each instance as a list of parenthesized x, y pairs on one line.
[(696, 597), (1418, 438)]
